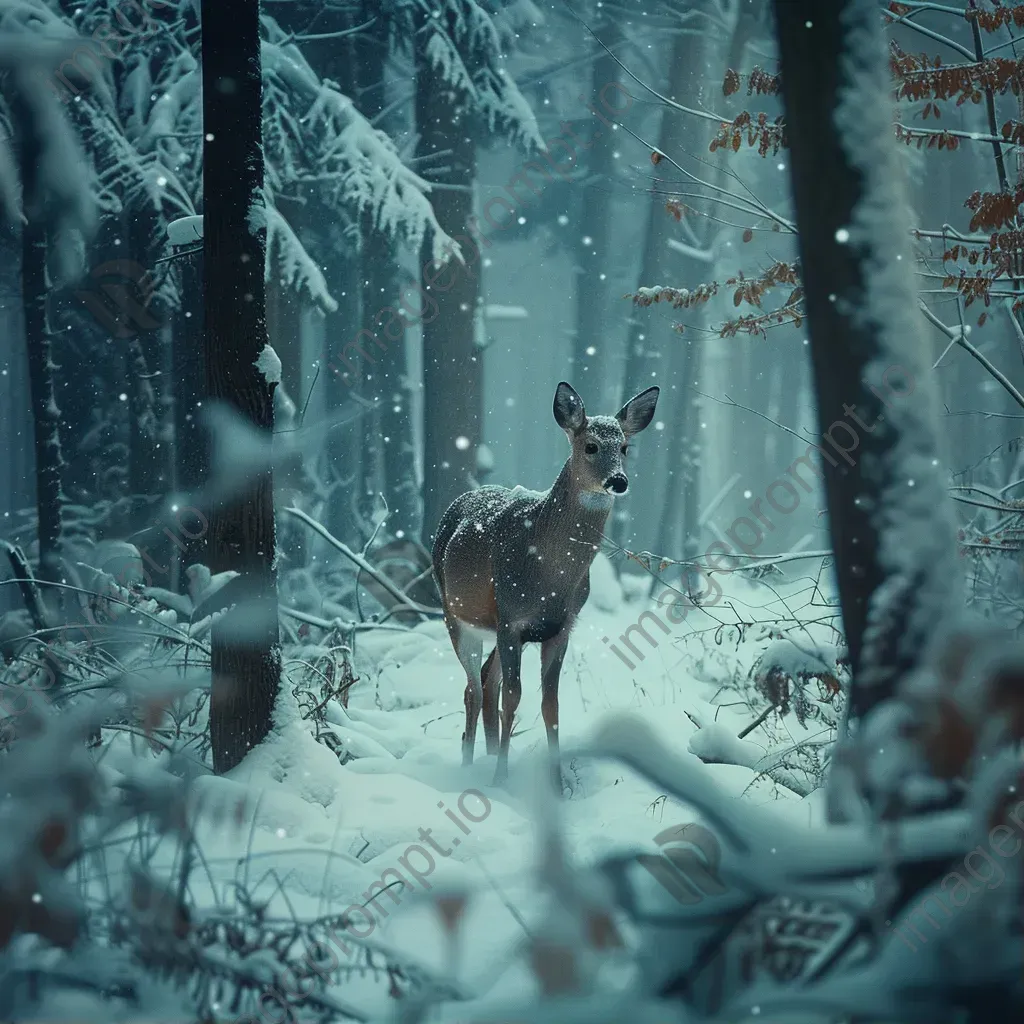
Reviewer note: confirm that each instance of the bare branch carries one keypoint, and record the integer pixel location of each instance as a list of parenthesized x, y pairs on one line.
[(956, 335)]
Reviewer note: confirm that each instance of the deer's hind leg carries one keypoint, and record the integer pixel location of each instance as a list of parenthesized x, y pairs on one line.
[(491, 677), (510, 651), (469, 649)]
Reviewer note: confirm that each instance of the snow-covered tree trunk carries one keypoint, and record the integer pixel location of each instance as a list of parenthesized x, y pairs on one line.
[(240, 371), (452, 364), (284, 313), (891, 526), (45, 411)]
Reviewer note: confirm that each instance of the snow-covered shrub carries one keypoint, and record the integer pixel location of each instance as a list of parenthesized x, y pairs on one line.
[(802, 677)]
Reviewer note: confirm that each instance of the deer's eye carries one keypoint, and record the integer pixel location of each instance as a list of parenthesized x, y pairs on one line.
[(625, 448), (591, 448)]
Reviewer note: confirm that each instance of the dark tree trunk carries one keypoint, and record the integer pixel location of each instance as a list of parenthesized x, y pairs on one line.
[(165, 410), (16, 485), (342, 382), (594, 255), (389, 441), (680, 501), (45, 413), (376, 293), (344, 431), (392, 440), (892, 533), (651, 335), (452, 363), (191, 456), (374, 380), (246, 653), (143, 440)]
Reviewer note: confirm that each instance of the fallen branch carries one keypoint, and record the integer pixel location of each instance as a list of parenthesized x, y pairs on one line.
[(26, 584), (715, 744), (423, 611), (344, 626)]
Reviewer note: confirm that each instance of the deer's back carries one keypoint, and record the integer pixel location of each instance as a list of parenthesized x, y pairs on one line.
[(497, 547), (471, 542)]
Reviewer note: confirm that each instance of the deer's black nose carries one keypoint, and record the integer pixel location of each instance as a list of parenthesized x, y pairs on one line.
[(617, 484)]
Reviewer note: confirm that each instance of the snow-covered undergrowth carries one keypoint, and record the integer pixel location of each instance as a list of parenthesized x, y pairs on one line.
[(308, 831)]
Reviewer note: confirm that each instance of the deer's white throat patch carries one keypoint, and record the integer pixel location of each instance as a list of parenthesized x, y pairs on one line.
[(595, 501)]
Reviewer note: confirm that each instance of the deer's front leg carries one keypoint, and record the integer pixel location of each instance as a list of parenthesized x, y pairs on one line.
[(552, 654), (510, 653)]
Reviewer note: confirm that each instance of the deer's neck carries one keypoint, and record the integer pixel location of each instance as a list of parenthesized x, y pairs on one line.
[(573, 520)]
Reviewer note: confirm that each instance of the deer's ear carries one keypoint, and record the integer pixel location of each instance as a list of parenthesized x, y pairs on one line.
[(637, 413), (568, 408)]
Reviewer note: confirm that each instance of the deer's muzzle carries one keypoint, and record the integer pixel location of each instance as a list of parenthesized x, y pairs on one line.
[(617, 484)]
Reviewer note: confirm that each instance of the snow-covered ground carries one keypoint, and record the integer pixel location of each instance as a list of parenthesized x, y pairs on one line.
[(313, 834)]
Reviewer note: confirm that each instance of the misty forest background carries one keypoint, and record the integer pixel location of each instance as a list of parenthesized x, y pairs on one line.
[(223, 456), (550, 300)]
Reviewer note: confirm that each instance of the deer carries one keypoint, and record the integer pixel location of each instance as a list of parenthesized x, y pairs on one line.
[(513, 567)]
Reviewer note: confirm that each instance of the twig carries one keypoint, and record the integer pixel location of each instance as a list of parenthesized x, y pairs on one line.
[(1009, 509), (418, 579), (786, 556), (756, 722), (504, 899), (1018, 330), (990, 109), (746, 408), (754, 207), (706, 115), (380, 523)]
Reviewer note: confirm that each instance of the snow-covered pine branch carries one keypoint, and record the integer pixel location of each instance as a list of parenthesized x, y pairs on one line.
[(32, 40), (288, 259), (462, 42), (313, 133)]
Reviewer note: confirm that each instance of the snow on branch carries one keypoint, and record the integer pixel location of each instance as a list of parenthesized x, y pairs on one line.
[(748, 831), (32, 41), (288, 259), (750, 290), (464, 46), (767, 136), (993, 21), (313, 133), (759, 81), (921, 77)]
